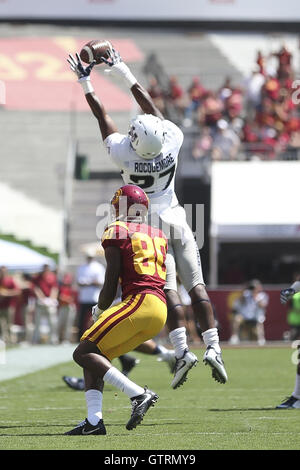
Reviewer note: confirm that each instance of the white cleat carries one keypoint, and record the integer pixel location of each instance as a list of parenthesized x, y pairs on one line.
[(215, 361), (182, 366)]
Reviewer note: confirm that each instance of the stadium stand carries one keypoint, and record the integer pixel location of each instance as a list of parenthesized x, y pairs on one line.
[(36, 143), (42, 147)]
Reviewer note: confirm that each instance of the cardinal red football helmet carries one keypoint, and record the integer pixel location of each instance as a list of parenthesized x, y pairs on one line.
[(130, 202)]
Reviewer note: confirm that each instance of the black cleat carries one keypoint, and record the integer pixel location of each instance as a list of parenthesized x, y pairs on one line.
[(289, 403), (74, 382), (85, 428), (128, 363), (140, 406)]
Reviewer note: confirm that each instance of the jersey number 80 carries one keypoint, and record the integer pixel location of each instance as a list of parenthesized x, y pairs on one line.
[(149, 254)]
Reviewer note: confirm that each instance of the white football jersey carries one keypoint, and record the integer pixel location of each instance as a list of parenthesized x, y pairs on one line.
[(157, 176)]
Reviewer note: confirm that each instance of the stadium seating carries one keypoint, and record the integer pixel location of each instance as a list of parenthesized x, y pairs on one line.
[(35, 146)]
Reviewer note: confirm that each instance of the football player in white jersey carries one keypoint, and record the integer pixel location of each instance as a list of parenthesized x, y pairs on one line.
[(147, 156)]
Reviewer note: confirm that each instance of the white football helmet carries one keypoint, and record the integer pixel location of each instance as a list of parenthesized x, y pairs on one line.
[(147, 135)]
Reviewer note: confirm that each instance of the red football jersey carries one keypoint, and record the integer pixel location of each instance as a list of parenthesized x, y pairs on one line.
[(143, 254)]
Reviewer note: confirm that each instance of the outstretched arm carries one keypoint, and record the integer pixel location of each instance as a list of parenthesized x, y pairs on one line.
[(145, 101), (118, 68), (106, 124)]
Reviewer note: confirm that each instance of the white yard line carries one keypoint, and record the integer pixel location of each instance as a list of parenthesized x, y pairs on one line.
[(25, 360)]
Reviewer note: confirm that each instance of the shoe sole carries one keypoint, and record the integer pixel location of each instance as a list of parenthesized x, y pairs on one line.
[(96, 433), (184, 377), (217, 375), (286, 408), (139, 418)]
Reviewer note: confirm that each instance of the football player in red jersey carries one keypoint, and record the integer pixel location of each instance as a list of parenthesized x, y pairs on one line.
[(148, 156), (135, 253)]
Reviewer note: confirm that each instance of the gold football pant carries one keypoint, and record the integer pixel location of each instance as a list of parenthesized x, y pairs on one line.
[(125, 326)]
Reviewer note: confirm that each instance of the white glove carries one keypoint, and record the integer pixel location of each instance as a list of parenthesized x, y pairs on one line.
[(118, 68), (96, 312), (286, 294), (83, 73)]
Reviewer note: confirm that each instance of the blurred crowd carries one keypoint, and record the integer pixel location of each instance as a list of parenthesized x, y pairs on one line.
[(255, 119), (52, 308), (47, 307)]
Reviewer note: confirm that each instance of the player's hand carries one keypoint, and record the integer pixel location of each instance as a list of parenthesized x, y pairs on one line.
[(114, 58), (96, 312), (118, 68), (77, 67), (286, 294)]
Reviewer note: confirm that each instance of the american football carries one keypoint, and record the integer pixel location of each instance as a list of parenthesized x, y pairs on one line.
[(94, 50)]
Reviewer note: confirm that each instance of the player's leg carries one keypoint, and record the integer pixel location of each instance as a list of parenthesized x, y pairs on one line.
[(128, 362), (164, 354), (94, 366), (189, 268), (185, 359), (119, 330), (294, 400)]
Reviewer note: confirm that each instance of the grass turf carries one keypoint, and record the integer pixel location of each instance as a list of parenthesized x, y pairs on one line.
[(38, 408)]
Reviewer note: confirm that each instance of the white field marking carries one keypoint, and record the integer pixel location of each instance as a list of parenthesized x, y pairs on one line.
[(270, 417), (23, 361), (205, 433), (50, 408)]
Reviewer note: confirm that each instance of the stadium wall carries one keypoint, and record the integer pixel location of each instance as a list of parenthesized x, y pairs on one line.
[(276, 313), (205, 14)]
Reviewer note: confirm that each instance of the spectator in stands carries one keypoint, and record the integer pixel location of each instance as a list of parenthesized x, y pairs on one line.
[(156, 93), (284, 62), (226, 90), (46, 291), (176, 96), (233, 104), (27, 302), (203, 144), (195, 94), (271, 88), (252, 86), (226, 142), (260, 61), (211, 110), (9, 292), (249, 314), (90, 279), (67, 307)]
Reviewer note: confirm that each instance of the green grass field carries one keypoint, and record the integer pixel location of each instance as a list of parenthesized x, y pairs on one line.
[(37, 409)]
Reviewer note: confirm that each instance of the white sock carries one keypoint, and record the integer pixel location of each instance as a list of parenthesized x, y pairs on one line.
[(114, 377), (179, 341), (94, 405), (296, 392), (211, 338)]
